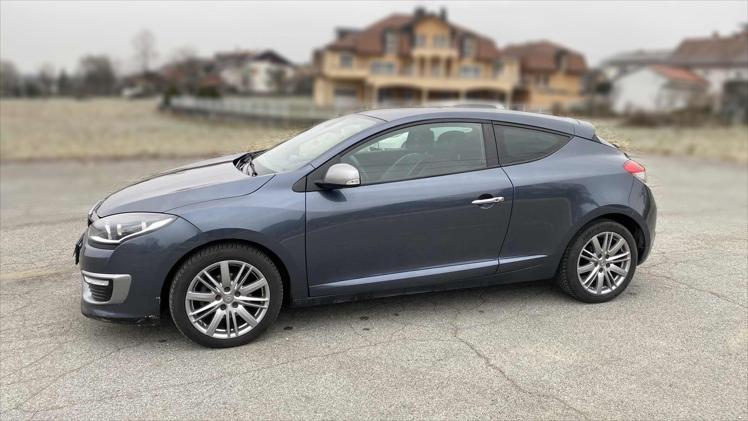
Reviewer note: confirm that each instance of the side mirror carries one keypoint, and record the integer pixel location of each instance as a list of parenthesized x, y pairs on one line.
[(340, 175)]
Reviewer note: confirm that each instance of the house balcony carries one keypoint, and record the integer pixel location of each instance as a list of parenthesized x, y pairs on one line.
[(434, 52), (447, 83), (350, 73)]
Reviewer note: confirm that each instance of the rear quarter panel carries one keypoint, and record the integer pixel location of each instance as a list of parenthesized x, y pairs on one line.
[(554, 197)]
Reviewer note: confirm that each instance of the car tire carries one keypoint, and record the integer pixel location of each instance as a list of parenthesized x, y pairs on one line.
[(212, 258), (571, 281)]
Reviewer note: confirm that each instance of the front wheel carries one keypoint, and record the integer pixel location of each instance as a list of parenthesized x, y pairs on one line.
[(599, 264), (225, 295)]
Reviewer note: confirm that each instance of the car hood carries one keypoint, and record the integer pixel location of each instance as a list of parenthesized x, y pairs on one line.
[(201, 181)]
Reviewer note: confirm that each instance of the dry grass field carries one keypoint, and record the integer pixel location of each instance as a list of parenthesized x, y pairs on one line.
[(725, 143), (115, 128)]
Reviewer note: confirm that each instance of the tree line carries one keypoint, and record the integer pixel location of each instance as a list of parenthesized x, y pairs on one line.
[(95, 74)]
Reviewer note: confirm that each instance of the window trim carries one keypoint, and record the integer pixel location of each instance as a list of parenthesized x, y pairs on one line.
[(490, 146), (499, 133)]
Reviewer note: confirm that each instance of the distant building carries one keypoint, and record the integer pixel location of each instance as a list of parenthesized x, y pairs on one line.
[(720, 60), (404, 59), (626, 62), (249, 72), (189, 75), (552, 75), (657, 88), (142, 84)]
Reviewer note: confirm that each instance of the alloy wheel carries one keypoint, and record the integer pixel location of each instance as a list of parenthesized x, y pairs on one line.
[(603, 263), (227, 299)]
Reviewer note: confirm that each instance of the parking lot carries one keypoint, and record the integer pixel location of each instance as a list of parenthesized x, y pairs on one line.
[(674, 345)]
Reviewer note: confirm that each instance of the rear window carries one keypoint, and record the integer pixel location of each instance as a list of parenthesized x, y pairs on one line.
[(518, 144)]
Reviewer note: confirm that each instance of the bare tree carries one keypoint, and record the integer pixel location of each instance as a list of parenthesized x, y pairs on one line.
[(183, 54), (65, 84), (97, 75), (10, 80), (144, 44), (46, 79)]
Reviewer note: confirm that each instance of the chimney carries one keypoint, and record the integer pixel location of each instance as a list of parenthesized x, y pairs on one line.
[(715, 34), (443, 14), (420, 12)]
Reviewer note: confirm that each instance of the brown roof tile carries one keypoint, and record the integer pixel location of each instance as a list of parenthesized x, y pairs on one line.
[(679, 74), (371, 39), (541, 57), (713, 51)]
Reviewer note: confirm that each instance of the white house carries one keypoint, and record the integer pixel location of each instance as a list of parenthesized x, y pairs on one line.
[(247, 72), (657, 88), (718, 59), (618, 65)]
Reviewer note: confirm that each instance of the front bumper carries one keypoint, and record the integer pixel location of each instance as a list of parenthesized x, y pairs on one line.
[(125, 283)]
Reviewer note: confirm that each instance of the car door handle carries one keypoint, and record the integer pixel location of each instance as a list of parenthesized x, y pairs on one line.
[(488, 201)]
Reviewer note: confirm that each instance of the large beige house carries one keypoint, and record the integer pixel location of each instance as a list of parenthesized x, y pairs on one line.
[(406, 59), (551, 75)]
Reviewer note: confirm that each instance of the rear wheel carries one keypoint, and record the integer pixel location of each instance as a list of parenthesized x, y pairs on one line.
[(225, 295), (600, 263)]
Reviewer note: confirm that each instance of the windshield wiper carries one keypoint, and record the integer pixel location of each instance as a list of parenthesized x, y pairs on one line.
[(248, 167)]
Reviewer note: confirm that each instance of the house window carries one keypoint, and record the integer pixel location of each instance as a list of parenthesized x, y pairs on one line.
[(436, 69), (468, 47), (563, 61), (420, 40), (390, 42), (470, 72), (498, 67), (383, 68), (441, 41), (346, 60)]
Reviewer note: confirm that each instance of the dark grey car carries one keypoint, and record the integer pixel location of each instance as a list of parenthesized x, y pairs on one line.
[(371, 204)]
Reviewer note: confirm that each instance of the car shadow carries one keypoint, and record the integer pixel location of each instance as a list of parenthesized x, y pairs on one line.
[(421, 309)]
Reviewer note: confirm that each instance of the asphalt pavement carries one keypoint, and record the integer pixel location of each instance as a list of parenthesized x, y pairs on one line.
[(674, 345)]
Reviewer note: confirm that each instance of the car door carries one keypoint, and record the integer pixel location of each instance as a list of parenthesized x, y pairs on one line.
[(433, 207)]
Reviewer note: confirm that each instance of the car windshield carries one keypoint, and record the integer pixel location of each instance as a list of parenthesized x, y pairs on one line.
[(307, 146)]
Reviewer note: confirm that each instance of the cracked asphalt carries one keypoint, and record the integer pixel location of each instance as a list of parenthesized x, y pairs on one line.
[(674, 345)]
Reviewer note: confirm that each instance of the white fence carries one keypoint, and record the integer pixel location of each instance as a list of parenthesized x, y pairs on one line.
[(280, 109)]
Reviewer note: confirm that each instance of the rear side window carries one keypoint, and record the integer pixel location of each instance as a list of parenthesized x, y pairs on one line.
[(518, 144)]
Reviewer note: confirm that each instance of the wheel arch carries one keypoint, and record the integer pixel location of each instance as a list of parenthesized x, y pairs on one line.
[(279, 263), (624, 216)]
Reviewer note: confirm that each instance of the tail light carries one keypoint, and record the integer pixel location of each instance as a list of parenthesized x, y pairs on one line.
[(636, 169)]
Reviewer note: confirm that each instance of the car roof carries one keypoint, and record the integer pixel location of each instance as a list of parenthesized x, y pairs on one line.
[(560, 124)]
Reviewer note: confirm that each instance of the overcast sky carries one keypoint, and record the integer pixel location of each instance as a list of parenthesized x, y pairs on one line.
[(59, 32)]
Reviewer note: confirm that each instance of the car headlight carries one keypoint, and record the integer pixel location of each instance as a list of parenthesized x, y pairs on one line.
[(115, 229)]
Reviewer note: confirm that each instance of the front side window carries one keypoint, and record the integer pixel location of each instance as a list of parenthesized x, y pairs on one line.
[(307, 146), (517, 144), (420, 151)]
